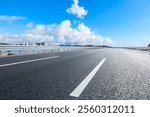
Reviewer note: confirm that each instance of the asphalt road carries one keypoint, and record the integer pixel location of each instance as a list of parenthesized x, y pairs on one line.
[(101, 74)]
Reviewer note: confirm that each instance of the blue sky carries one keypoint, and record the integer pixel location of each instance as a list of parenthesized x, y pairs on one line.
[(124, 22)]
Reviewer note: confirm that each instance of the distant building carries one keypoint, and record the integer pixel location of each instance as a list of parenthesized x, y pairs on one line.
[(26, 44), (35, 44), (149, 45)]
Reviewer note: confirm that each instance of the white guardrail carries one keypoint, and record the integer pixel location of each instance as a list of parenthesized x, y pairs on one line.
[(24, 50)]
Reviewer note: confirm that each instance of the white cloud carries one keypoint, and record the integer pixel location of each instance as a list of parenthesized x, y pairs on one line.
[(30, 25), (7, 38), (39, 30), (11, 19), (76, 10), (59, 34), (29, 37), (1, 30)]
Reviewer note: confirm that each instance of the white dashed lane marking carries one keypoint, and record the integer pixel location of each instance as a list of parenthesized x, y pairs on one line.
[(28, 61), (79, 89)]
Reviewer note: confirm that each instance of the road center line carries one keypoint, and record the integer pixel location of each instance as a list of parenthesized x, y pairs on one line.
[(79, 89), (28, 61)]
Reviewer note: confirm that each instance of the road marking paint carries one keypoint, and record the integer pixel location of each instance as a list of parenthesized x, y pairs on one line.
[(28, 61), (79, 89)]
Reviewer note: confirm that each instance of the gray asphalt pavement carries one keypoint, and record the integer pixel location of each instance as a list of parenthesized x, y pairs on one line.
[(124, 75)]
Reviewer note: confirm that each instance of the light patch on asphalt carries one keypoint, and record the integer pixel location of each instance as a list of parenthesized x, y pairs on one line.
[(111, 51), (79, 89), (89, 51), (28, 61)]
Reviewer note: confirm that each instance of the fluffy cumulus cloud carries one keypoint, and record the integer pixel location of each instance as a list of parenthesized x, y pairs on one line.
[(7, 38), (1, 30), (11, 19), (62, 33), (30, 25), (76, 10)]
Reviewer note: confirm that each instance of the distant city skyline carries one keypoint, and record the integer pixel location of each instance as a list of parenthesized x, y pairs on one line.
[(95, 22)]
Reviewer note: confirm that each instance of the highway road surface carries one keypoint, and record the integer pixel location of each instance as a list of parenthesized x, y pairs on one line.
[(90, 74)]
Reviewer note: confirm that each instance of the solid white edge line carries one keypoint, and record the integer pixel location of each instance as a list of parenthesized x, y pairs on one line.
[(79, 89), (28, 61)]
